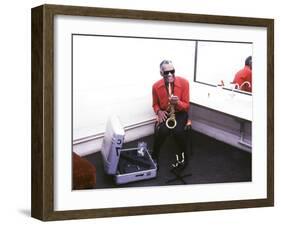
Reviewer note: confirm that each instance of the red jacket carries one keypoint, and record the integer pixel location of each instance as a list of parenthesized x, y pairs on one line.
[(160, 95), (243, 75)]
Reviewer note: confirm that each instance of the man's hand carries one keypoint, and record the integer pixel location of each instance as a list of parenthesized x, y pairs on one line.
[(174, 100), (162, 116)]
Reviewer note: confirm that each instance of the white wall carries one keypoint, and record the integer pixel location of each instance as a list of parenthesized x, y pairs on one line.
[(15, 112), (116, 63), (114, 75)]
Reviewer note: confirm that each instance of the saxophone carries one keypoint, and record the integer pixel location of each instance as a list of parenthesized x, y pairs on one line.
[(171, 122)]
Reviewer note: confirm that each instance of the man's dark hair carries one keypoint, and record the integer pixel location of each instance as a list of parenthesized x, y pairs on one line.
[(248, 61), (165, 62)]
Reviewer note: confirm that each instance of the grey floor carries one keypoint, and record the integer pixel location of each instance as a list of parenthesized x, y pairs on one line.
[(211, 162)]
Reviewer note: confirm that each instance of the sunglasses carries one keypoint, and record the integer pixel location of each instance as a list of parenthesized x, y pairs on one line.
[(167, 72)]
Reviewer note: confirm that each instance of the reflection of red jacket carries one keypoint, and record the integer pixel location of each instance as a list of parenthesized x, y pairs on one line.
[(160, 95), (243, 75)]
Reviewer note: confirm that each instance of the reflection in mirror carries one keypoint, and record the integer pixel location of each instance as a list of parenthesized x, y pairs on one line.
[(227, 64)]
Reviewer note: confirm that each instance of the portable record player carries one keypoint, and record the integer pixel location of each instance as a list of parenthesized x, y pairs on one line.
[(126, 165)]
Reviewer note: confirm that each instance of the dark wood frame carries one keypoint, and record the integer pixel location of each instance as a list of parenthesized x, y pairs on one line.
[(42, 203)]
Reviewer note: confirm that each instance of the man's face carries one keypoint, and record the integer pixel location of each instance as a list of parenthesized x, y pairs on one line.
[(168, 72)]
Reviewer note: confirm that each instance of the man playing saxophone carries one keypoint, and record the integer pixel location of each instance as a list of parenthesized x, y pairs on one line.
[(171, 104)]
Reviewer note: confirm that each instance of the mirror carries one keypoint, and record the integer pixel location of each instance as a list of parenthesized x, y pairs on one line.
[(223, 63)]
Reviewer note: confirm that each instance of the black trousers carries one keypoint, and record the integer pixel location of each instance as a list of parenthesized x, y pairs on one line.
[(161, 132)]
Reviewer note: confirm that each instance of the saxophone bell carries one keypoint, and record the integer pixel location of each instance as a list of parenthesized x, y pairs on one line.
[(171, 123)]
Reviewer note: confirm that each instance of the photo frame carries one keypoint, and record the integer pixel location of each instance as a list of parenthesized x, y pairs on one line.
[(44, 146)]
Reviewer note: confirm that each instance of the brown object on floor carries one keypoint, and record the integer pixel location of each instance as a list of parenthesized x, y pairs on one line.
[(83, 173)]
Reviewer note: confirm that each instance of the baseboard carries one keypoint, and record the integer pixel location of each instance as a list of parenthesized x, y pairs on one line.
[(131, 133), (92, 145)]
